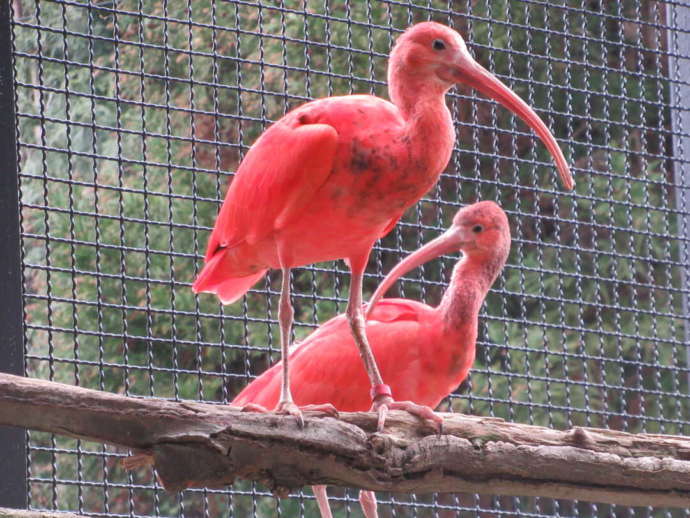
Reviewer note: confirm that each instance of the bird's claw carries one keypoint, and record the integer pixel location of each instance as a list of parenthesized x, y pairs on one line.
[(381, 398), (382, 413), (289, 408), (324, 408), (421, 411), (382, 405), (253, 407)]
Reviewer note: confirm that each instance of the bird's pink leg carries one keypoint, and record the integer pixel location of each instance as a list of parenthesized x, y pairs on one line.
[(285, 316), (286, 405), (322, 500), (380, 392), (367, 500), (381, 395)]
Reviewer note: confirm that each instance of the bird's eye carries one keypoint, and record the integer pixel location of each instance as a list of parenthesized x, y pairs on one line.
[(438, 45), (477, 229)]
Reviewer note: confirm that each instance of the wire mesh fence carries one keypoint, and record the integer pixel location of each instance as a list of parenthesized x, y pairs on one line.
[(132, 117)]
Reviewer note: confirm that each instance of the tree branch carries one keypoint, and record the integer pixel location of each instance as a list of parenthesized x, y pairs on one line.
[(204, 445), (6, 512)]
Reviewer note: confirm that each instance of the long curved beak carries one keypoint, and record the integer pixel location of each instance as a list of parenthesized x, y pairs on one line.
[(448, 242), (476, 76)]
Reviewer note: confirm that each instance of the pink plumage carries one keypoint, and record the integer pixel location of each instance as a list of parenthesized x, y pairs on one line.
[(423, 352)]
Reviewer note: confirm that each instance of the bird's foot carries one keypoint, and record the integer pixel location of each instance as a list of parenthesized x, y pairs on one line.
[(253, 407), (421, 411), (283, 408), (290, 408), (323, 408), (381, 398), (383, 402)]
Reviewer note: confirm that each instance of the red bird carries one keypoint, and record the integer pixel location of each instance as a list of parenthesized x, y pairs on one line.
[(424, 352), (334, 175)]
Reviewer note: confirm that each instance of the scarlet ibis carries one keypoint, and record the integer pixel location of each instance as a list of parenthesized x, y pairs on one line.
[(334, 175), (424, 352)]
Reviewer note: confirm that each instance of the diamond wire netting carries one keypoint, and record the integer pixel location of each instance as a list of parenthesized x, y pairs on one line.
[(132, 116)]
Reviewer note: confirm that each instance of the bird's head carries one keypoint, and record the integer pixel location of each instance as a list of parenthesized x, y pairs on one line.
[(480, 230), (431, 51), (430, 56)]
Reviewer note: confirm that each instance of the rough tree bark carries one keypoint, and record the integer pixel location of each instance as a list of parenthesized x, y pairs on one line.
[(204, 445)]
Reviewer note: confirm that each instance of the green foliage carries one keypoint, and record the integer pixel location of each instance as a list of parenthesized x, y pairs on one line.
[(584, 327)]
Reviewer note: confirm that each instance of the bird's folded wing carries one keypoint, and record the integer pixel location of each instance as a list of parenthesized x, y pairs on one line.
[(393, 310), (276, 180)]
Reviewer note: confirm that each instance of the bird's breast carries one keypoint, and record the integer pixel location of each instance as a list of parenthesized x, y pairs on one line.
[(384, 172)]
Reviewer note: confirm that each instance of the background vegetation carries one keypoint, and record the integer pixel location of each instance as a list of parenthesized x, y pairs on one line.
[(132, 117)]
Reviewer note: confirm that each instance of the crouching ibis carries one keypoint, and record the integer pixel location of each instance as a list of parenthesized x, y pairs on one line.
[(423, 352)]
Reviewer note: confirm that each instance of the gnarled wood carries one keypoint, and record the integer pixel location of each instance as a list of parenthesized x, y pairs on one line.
[(196, 445)]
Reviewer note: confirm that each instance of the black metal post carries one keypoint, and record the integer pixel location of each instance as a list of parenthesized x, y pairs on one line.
[(679, 75), (13, 489)]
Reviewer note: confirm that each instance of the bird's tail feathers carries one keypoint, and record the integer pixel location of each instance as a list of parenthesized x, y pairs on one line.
[(213, 279)]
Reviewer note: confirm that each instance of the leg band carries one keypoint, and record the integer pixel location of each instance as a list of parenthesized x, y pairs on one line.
[(380, 390)]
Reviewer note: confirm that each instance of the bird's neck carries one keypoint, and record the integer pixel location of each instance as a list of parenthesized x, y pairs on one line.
[(471, 280), (407, 92), (428, 128), (421, 102)]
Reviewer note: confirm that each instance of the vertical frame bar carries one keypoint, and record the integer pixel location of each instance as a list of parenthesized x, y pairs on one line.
[(678, 17), (13, 489)]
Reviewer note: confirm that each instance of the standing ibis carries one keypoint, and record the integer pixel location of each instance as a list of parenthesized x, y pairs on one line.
[(424, 352), (334, 175)]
